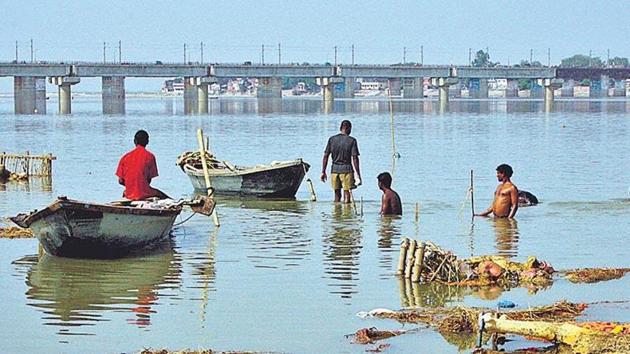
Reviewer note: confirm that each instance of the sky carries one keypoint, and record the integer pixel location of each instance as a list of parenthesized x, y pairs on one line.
[(235, 31)]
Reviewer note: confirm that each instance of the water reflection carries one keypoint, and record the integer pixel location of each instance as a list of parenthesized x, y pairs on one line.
[(75, 293), (43, 184), (389, 236), (316, 104), (341, 244), (277, 230), (431, 294), (506, 236)]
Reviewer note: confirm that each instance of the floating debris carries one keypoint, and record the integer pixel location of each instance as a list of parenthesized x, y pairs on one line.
[(594, 275), (582, 338), (200, 351), (465, 319), (425, 261), (371, 335), (15, 232)]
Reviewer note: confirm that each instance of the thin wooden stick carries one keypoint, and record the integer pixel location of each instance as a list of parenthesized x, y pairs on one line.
[(472, 195), (206, 174)]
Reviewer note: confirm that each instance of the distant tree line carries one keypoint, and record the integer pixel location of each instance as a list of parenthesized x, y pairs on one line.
[(585, 61)]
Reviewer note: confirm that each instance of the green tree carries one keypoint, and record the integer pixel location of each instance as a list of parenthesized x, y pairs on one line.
[(482, 59), (527, 64), (581, 61), (618, 61), (524, 84)]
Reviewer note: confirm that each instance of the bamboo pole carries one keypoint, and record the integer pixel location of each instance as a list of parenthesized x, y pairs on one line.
[(472, 195), (416, 272), (354, 204), (402, 256), (361, 205), (409, 260), (206, 175), (309, 183)]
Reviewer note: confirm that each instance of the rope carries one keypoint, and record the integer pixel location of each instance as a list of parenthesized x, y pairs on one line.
[(188, 218)]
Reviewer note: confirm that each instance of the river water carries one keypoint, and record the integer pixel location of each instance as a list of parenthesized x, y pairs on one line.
[(290, 276)]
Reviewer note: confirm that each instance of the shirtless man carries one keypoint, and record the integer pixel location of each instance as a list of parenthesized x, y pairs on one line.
[(390, 203), (505, 203)]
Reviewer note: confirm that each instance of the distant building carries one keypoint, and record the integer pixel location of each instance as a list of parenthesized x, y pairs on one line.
[(173, 87), (372, 85)]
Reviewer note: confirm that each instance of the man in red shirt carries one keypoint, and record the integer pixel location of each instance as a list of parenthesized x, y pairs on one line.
[(136, 169)]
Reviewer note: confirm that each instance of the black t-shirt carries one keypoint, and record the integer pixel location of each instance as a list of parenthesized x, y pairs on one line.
[(342, 147)]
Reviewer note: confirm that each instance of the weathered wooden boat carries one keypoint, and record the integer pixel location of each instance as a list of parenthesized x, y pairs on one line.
[(71, 228), (279, 179)]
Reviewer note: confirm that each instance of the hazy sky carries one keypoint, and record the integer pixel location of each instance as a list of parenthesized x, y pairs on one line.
[(234, 31)]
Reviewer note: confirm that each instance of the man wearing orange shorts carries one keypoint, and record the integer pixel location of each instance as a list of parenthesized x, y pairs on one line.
[(345, 162)]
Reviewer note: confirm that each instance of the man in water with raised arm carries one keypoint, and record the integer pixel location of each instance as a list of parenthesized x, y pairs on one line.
[(505, 203), (345, 162), (136, 169)]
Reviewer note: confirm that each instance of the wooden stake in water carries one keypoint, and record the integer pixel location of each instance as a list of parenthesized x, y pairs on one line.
[(472, 195), (417, 214), (206, 174), (361, 205)]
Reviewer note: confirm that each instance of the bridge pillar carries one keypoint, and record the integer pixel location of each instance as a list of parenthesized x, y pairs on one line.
[(328, 90), (190, 96), (511, 90), (443, 84), (413, 87), (394, 86), (550, 86), (64, 83), (113, 94), (348, 87), (29, 95), (202, 92), (478, 88), (269, 87), (568, 88)]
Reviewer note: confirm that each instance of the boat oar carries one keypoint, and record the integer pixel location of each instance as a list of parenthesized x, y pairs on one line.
[(206, 175)]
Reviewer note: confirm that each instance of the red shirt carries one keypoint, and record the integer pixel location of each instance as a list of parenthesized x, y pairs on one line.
[(136, 169)]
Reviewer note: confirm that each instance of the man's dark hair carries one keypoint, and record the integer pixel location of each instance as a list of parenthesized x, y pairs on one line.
[(345, 124), (385, 178), (505, 169), (141, 138)]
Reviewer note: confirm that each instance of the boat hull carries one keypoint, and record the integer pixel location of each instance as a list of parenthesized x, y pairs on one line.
[(84, 230), (281, 182)]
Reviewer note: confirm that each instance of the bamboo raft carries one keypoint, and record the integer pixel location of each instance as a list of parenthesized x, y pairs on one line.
[(22, 166)]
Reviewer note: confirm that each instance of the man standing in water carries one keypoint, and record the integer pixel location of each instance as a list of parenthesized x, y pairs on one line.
[(505, 203), (390, 202), (136, 169), (345, 162)]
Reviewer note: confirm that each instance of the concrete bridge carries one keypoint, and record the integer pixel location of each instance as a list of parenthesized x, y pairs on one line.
[(405, 80)]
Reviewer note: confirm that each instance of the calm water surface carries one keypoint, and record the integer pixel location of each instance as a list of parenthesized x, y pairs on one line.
[(290, 276)]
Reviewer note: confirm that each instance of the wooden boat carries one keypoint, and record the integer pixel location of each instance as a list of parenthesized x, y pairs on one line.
[(279, 180), (71, 228)]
